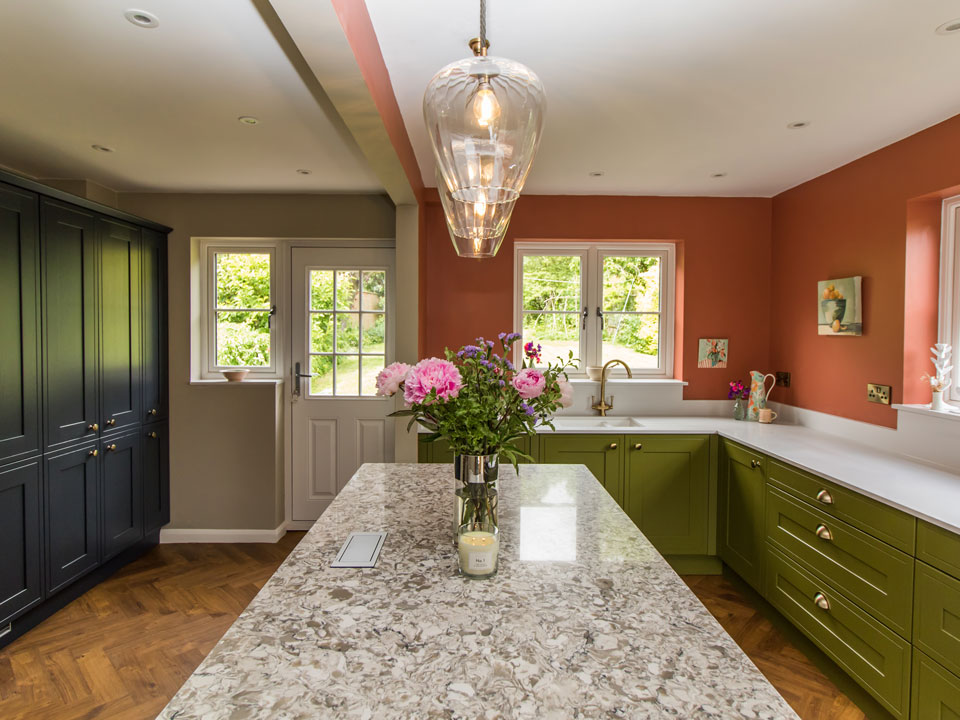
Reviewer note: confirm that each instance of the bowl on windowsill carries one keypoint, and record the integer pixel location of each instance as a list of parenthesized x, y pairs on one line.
[(235, 375), (594, 372)]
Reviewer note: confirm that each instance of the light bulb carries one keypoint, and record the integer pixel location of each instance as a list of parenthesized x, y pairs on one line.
[(486, 107), (480, 208)]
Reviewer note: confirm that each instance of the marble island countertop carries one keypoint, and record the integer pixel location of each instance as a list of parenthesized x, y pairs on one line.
[(923, 491), (584, 619)]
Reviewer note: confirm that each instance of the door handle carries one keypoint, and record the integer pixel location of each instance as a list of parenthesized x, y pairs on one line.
[(600, 315), (820, 600), (153, 411), (638, 446), (111, 422), (92, 453), (93, 427), (754, 464), (612, 446), (584, 326), (825, 497), (296, 378), (152, 435), (111, 448), (823, 532)]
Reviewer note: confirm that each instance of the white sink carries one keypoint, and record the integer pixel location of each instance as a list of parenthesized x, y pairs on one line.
[(594, 422)]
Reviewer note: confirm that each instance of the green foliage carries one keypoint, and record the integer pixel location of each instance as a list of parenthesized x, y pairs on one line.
[(243, 281)]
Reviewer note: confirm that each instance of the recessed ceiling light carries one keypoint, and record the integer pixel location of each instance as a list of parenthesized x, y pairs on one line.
[(304, 171), (949, 28), (142, 18), (248, 120), (799, 124), (596, 173), (718, 175), (102, 148)]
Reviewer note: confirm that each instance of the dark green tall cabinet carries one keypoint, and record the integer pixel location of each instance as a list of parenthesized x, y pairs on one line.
[(84, 468)]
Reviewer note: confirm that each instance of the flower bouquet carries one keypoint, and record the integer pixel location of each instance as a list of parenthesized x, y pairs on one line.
[(480, 403), (738, 392)]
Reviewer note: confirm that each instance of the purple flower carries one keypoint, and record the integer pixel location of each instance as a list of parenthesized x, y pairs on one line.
[(509, 365), (502, 335), (527, 409), (502, 383)]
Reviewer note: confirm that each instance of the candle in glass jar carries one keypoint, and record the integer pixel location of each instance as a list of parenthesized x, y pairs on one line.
[(478, 551)]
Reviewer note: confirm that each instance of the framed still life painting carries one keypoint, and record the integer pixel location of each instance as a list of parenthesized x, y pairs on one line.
[(840, 307), (712, 353)]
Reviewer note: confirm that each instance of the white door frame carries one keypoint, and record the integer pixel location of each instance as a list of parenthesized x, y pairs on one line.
[(285, 297)]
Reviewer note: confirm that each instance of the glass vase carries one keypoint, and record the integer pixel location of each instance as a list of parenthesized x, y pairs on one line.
[(477, 497), (739, 409)]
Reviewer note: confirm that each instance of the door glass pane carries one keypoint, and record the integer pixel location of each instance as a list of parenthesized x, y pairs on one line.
[(243, 280), (348, 375), (374, 290), (348, 289), (321, 289), (558, 334), (635, 339), (348, 332), (321, 332), (370, 367), (373, 332), (322, 381), (243, 339), (631, 284), (551, 283)]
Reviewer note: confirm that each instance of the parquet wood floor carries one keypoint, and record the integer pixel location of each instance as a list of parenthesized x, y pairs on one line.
[(124, 649)]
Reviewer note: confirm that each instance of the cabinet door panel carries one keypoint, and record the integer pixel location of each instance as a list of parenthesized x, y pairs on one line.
[(600, 453), (19, 324), (72, 492), (20, 580), (742, 491), (122, 493), (154, 314), (156, 476), (936, 691), (69, 287), (119, 323), (667, 491)]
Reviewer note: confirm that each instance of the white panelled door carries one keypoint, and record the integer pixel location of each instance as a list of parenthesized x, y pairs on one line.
[(342, 336)]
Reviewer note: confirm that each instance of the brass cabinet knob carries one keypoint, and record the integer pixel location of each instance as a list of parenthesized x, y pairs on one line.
[(152, 435), (153, 411), (111, 422), (612, 446), (754, 464), (820, 600), (93, 453), (823, 532), (825, 497), (93, 427), (638, 446), (111, 447)]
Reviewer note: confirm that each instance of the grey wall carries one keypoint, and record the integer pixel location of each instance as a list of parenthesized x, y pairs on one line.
[(226, 459)]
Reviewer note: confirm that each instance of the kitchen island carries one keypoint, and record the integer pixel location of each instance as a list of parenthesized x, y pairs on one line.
[(584, 618)]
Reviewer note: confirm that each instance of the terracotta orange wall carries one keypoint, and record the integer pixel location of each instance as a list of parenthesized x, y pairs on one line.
[(853, 221), (726, 268)]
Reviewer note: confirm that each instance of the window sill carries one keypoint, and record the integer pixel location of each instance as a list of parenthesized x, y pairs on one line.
[(926, 411), (633, 381), (251, 381)]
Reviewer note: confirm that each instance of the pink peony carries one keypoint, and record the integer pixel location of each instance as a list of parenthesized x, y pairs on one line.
[(566, 392), (389, 379), (429, 374), (529, 383)]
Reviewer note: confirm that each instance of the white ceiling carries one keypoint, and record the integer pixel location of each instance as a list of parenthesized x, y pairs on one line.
[(660, 94), (75, 72)]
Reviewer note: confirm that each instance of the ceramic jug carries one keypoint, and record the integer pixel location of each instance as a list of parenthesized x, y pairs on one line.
[(758, 393)]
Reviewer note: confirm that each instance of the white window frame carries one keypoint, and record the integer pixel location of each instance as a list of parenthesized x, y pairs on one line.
[(209, 370), (591, 270), (949, 316)]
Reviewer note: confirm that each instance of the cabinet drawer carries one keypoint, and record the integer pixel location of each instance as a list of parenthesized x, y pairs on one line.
[(743, 456), (886, 523), (873, 574), (875, 657), (936, 618), (936, 691), (939, 547)]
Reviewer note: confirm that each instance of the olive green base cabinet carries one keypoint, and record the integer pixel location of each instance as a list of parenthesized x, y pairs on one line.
[(741, 542), (439, 450), (602, 454), (936, 691)]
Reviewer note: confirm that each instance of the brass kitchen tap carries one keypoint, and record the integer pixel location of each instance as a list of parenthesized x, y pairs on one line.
[(602, 406)]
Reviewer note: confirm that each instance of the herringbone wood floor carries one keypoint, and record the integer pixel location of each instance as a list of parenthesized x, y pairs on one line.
[(124, 648)]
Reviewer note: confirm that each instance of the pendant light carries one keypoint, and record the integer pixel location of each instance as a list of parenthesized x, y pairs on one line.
[(484, 116)]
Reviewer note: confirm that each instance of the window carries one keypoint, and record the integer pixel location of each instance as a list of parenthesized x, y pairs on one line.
[(347, 330), (602, 302), (239, 310), (949, 330)]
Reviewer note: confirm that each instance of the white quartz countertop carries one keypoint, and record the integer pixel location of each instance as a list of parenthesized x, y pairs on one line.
[(584, 619), (920, 490)]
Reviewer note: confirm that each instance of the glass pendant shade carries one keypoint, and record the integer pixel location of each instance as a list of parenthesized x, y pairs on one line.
[(484, 116)]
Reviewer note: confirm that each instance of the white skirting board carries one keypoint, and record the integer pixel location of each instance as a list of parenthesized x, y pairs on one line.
[(191, 535)]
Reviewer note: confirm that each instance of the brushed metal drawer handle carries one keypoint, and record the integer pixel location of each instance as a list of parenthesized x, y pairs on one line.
[(638, 446), (612, 446), (825, 497), (93, 453), (823, 532), (821, 601), (111, 447)]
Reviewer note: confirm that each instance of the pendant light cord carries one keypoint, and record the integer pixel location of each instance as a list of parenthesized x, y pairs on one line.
[(483, 23)]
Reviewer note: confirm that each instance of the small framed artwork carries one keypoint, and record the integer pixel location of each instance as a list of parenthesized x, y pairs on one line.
[(712, 353), (839, 307)]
